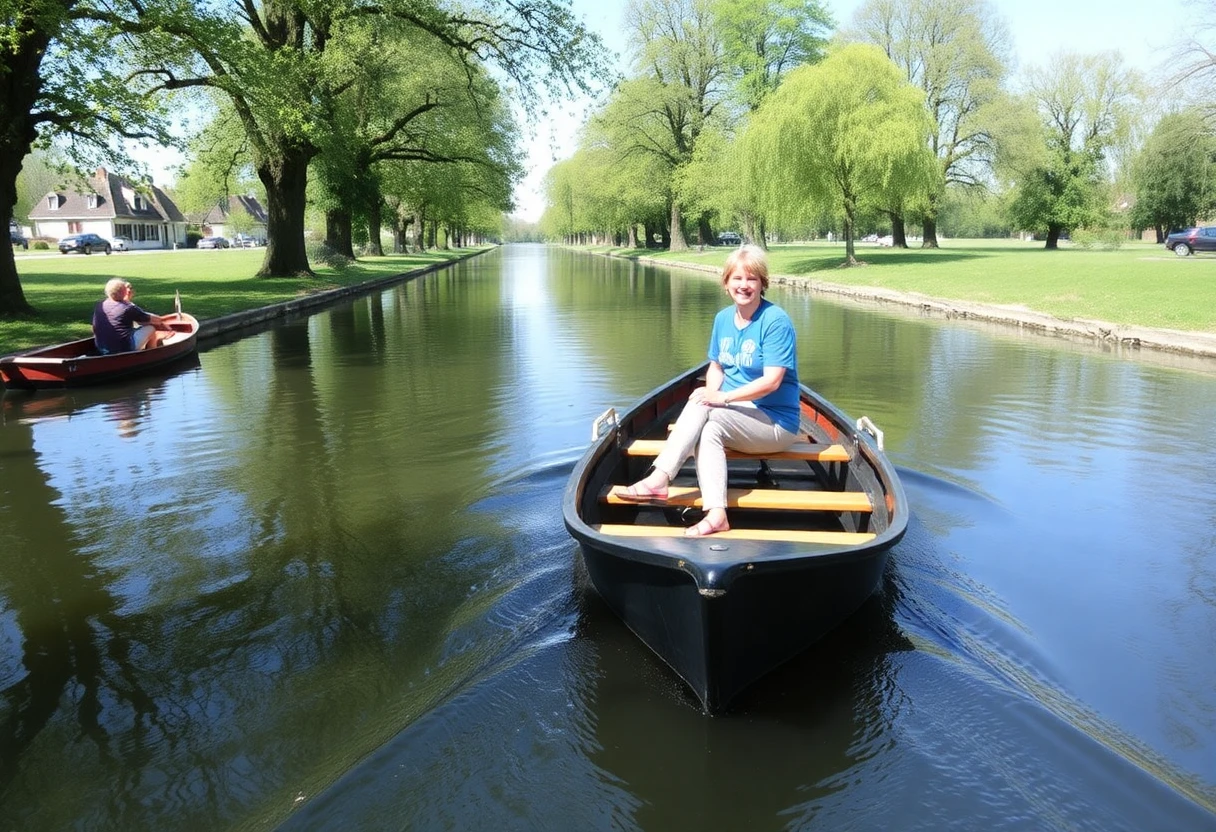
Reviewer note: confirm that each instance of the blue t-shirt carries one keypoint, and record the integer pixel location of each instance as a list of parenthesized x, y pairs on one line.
[(768, 340)]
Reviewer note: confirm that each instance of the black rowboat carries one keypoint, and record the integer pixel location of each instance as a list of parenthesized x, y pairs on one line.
[(810, 532)]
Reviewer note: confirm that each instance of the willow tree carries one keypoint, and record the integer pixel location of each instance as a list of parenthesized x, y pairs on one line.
[(840, 136), (957, 52), (284, 66)]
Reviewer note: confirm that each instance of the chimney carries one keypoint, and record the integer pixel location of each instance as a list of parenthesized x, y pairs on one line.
[(101, 173)]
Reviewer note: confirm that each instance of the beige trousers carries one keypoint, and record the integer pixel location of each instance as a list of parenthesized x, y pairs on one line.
[(710, 431)]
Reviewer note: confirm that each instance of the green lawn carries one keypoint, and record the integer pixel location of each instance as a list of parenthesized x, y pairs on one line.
[(64, 288), (1139, 284)]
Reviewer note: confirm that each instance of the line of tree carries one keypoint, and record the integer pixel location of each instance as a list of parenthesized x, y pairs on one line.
[(370, 99), (742, 114)]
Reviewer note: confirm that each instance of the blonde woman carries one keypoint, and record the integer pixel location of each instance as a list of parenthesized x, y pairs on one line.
[(750, 399)]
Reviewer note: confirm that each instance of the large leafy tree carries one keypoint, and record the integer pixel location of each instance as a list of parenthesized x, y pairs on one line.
[(1175, 174), (762, 40), (1085, 105), (957, 52), (680, 83), (840, 136), (285, 65), (407, 103), (62, 80)]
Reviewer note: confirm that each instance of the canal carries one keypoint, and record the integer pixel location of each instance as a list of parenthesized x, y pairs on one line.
[(320, 581)]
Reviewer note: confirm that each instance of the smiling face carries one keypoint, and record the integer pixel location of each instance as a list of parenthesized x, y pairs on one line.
[(744, 288), (745, 277)]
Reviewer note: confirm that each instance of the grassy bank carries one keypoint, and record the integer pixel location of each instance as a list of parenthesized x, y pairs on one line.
[(64, 288), (1140, 284)]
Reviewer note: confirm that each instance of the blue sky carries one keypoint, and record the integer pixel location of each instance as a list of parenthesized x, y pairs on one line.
[(1143, 32)]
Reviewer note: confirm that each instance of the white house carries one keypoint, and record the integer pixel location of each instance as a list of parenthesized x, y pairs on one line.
[(221, 220), (112, 206)]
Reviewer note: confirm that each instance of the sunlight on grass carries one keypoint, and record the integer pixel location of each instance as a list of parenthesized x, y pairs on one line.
[(1137, 284)]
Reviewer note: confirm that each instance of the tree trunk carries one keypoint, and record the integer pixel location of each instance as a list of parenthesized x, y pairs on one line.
[(338, 231), (762, 234), (285, 179), (374, 222), (633, 235), (12, 296), (899, 234), (704, 232), (20, 86), (1160, 234), (929, 236), (1053, 236), (418, 231), (850, 222), (675, 234)]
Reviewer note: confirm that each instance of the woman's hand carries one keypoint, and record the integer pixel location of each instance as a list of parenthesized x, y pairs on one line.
[(707, 397)]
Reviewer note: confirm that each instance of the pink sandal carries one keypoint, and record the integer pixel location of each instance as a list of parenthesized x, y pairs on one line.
[(639, 492), (704, 528)]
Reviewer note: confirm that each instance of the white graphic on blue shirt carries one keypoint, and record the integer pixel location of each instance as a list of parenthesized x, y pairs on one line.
[(747, 354), (746, 357), (725, 358)]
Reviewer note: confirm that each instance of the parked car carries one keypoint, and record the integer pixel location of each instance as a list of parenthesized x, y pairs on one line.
[(213, 242), (729, 238), (120, 243), (18, 239), (1183, 243), (247, 241), (84, 243)]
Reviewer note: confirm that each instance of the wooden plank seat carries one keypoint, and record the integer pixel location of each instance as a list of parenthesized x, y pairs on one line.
[(757, 498), (810, 451), (790, 535)]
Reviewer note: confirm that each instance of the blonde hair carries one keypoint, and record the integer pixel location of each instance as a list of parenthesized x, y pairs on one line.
[(751, 259), (114, 287)]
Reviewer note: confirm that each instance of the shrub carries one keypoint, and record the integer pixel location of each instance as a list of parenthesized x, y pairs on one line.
[(41, 245), (322, 253), (1099, 238)]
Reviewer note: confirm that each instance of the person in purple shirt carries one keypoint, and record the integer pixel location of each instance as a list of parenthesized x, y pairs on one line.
[(121, 326), (750, 400)]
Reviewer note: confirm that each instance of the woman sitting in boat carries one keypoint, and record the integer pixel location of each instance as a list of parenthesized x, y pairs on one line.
[(750, 399), (121, 326)]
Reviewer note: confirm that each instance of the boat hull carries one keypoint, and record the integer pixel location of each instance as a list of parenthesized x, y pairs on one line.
[(77, 364), (723, 612)]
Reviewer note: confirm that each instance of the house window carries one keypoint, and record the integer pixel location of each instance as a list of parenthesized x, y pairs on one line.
[(139, 203), (92, 200), (52, 202), (75, 227)]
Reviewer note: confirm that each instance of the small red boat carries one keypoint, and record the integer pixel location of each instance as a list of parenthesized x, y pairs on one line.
[(78, 363)]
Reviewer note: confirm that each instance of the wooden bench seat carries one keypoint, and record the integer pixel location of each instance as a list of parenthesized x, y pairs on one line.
[(809, 451), (757, 498), (775, 535)]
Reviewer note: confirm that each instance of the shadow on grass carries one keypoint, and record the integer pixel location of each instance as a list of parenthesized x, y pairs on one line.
[(831, 261)]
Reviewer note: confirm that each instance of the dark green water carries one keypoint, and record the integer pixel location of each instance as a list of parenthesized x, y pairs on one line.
[(321, 581)]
